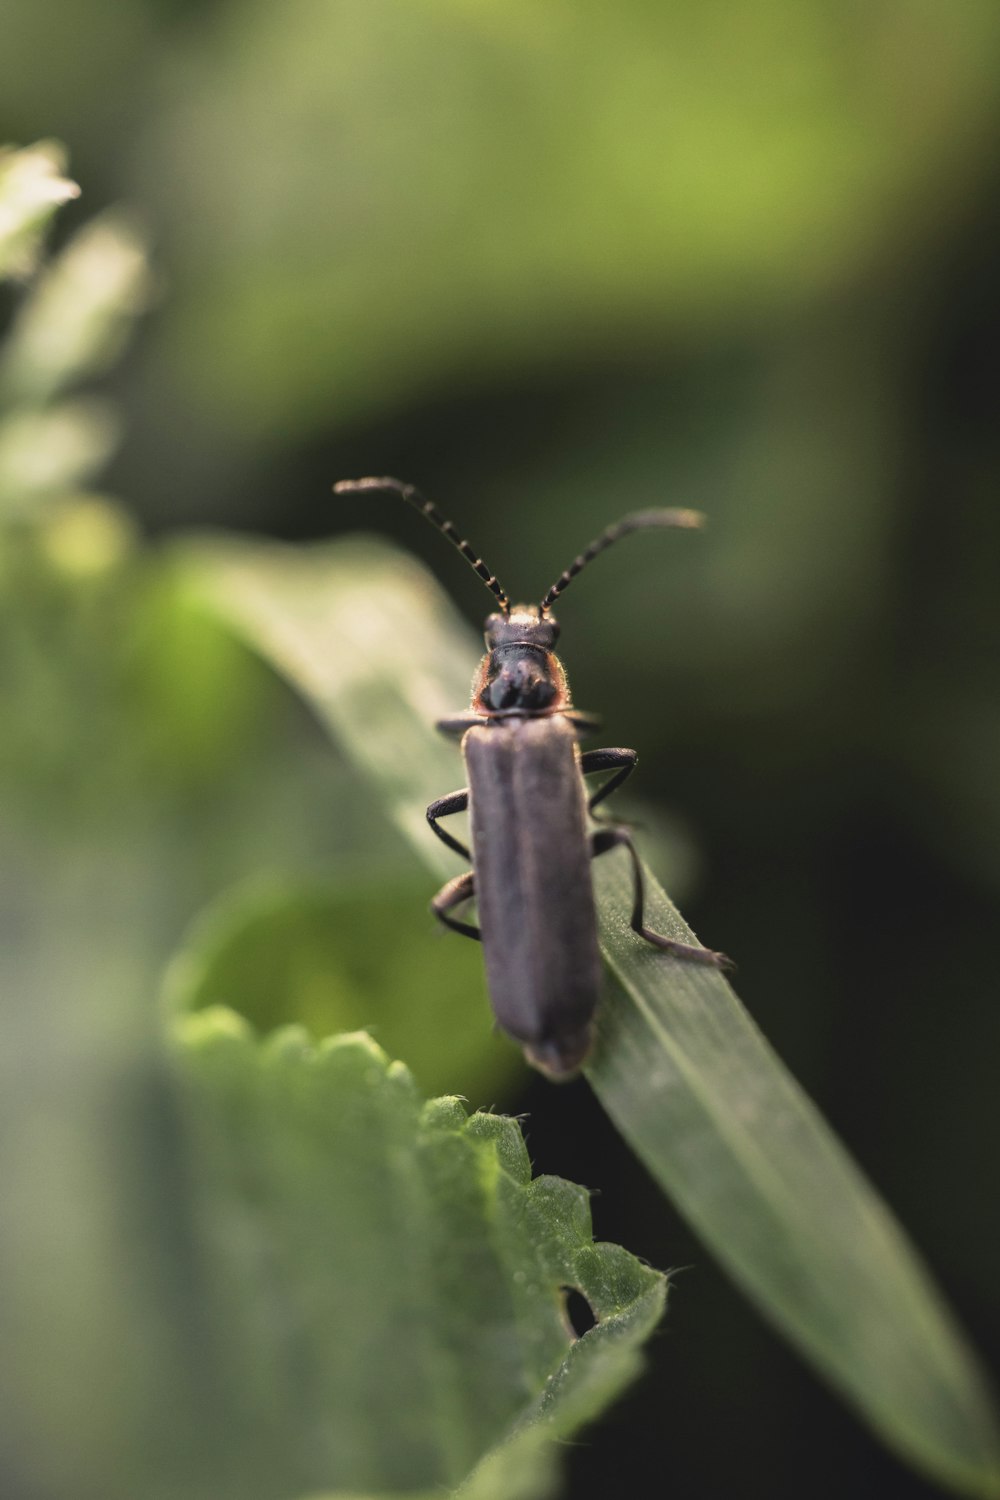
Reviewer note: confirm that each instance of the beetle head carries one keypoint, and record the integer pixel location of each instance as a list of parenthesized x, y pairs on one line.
[(521, 671)]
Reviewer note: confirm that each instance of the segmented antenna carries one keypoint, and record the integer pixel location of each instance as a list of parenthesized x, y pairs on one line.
[(637, 521), (426, 508)]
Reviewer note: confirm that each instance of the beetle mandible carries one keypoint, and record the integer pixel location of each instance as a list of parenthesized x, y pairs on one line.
[(528, 811)]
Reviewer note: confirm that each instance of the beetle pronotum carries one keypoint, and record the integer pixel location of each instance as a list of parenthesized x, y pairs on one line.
[(529, 814)]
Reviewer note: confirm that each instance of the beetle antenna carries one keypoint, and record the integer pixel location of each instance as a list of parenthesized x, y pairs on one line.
[(639, 520), (427, 508)]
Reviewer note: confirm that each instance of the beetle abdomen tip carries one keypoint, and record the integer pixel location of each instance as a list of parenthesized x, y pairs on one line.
[(560, 1060)]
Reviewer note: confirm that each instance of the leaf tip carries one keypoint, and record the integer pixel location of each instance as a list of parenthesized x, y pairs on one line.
[(216, 1026), (508, 1140), (446, 1113)]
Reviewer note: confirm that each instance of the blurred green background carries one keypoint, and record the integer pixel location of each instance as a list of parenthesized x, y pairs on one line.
[(551, 263)]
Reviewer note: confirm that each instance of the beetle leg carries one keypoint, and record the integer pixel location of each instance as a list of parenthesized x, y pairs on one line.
[(455, 802), (610, 838), (622, 762), (462, 888)]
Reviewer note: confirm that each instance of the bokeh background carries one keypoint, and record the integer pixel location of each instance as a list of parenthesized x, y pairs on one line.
[(551, 263)]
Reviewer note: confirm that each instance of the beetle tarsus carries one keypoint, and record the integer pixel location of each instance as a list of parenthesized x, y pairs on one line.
[(687, 951)]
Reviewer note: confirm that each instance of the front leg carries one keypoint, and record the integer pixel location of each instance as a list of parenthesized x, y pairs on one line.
[(462, 888), (622, 762), (610, 838), (455, 802)]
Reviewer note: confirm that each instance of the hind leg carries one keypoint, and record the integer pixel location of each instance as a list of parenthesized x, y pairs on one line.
[(611, 838)]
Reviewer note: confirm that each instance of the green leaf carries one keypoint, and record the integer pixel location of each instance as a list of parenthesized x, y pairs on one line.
[(32, 187), (680, 1066), (335, 958), (73, 323), (46, 454), (79, 314), (376, 649), (385, 1278)]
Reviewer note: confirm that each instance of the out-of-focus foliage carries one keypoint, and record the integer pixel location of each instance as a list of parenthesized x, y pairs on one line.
[(515, 183), (32, 185), (146, 764), (79, 314), (71, 324)]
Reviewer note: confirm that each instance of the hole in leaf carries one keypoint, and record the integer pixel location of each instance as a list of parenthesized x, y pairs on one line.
[(577, 1311)]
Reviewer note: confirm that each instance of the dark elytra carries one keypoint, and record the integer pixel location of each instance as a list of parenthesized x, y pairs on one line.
[(532, 842)]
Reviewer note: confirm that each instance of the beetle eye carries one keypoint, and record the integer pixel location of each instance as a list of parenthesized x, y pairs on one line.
[(491, 625)]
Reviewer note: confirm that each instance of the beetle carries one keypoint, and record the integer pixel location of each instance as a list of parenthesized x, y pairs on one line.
[(529, 814)]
